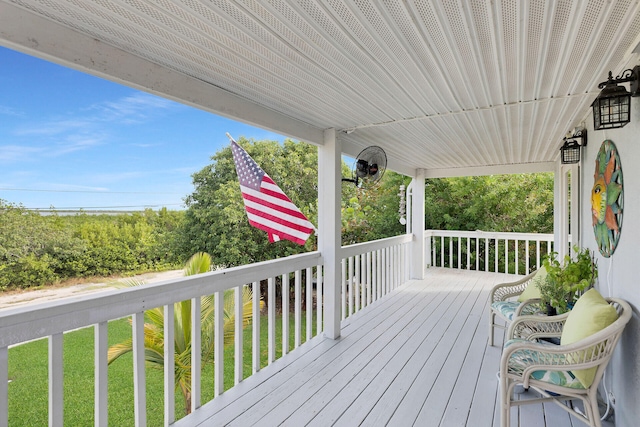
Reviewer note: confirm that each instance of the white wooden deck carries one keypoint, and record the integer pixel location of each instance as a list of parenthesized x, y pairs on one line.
[(417, 357)]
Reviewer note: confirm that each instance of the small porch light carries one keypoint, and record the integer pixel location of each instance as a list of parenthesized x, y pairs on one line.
[(612, 107), (570, 150)]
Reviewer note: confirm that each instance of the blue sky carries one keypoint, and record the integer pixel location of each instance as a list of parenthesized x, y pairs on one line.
[(72, 140)]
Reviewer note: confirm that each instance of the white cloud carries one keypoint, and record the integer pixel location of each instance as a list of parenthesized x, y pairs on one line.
[(18, 153), (8, 111), (137, 108)]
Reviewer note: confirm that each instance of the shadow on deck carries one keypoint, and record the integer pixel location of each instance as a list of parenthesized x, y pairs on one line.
[(416, 357)]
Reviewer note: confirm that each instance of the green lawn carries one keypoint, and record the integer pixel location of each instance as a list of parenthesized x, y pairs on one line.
[(28, 374)]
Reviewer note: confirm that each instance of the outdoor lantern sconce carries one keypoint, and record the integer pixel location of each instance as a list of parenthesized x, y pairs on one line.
[(612, 107), (570, 150)]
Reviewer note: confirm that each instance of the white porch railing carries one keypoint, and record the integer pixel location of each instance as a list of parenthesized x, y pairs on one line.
[(53, 319), (513, 253), (370, 270)]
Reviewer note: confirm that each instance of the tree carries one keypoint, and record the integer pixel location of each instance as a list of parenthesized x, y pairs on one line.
[(216, 221), (512, 203), (154, 329)]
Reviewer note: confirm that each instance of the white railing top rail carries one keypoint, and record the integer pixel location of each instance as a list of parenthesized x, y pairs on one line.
[(361, 248), (489, 235), (36, 321)]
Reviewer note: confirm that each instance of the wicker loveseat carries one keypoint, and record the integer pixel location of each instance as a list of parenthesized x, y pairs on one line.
[(553, 370)]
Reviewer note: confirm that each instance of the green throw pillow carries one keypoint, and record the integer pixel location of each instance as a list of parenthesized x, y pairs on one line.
[(591, 314), (532, 290)]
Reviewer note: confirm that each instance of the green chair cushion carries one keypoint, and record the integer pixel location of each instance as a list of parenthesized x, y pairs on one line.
[(506, 308), (591, 314), (532, 290), (526, 357)]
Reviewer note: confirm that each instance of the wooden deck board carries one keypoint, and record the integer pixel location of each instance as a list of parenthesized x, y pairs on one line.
[(419, 357)]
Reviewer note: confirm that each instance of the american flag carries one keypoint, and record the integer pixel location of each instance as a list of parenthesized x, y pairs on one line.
[(268, 208)]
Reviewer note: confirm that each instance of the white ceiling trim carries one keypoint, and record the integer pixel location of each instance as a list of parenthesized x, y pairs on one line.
[(492, 170)]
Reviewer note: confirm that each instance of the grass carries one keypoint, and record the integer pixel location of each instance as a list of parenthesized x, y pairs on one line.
[(28, 373)]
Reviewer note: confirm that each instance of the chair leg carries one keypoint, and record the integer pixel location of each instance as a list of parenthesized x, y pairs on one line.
[(505, 404), (492, 321), (592, 410)]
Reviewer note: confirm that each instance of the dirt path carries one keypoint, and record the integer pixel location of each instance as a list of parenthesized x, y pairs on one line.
[(13, 299)]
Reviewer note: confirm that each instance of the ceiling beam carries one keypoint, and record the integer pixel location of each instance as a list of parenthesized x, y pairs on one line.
[(492, 170)]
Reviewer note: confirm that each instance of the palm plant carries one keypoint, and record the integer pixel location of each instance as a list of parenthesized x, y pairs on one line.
[(154, 328)]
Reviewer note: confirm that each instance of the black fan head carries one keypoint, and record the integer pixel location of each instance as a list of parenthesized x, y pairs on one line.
[(370, 165)]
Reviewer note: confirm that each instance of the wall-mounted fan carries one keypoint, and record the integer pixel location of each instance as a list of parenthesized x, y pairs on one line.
[(369, 166)]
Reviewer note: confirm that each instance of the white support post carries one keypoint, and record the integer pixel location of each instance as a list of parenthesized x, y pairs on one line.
[(417, 217), (574, 219), (560, 212), (329, 243)]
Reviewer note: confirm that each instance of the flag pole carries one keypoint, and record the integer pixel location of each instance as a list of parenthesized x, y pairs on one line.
[(230, 137)]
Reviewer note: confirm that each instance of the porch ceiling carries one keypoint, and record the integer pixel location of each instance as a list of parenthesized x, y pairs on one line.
[(438, 84)]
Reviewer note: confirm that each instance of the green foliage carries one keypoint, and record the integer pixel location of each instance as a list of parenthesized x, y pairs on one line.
[(154, 329), (567, 281), (37, 250), (509, 203), (216, 222)]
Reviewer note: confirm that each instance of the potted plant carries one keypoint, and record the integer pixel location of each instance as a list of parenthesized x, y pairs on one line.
[(565, 282)]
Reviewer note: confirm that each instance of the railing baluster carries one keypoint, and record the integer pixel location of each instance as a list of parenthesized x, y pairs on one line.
[(526, 250), (309, 296), (385, 255), (285, 314), (380, 287), (343, 285), (100, 348), (351, 286), (139, 381), (487, 251), (196, 353), (56, 380), (218, 344), (506, 256), (468, 253), (357, 283), (169, 365), (298, 308), (537, 254), (238, 356), (369, 281), (271, 314), (255, 333), (319, 298)]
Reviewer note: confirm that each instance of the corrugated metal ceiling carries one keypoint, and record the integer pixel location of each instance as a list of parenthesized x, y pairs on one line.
[(438, 84)]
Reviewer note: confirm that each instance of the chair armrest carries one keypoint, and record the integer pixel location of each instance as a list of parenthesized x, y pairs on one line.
[(503, 291), (532, 327)]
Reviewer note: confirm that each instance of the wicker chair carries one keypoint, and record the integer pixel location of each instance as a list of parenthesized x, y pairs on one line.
[(524, 360), (504, 305)]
